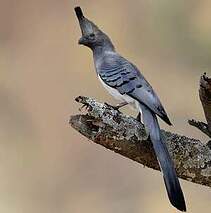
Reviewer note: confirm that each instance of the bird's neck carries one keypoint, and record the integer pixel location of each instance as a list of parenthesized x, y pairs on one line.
[(100, 51)]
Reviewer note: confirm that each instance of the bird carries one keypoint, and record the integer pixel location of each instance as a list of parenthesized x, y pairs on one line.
[(123, 80)]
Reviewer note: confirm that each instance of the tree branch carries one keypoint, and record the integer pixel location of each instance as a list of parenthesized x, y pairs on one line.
[(201, 126), (125, 135), (205, 98)]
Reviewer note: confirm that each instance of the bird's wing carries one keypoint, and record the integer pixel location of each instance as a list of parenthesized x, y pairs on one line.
[(123, 76)]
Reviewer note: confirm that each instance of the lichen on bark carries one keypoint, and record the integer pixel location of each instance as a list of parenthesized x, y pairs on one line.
[(123, 134)]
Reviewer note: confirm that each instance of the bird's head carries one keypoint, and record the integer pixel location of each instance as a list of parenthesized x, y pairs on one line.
[(92, 36)]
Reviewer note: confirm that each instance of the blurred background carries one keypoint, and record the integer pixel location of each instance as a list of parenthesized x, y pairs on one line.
[(45, 165)]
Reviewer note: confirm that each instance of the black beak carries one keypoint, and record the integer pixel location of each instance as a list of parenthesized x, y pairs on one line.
[(82, 40)]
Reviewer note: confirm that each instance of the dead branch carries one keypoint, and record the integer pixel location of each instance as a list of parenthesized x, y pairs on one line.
[(125, 135), (205, 98)]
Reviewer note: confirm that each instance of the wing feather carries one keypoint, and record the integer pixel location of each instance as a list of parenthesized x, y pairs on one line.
[(120, 74)]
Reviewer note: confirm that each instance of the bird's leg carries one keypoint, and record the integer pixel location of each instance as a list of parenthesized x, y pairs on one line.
[(118, 106), (138, 118)]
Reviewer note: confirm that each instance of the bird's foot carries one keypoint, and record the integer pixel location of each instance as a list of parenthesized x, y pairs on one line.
[(116, 107), (112, 106)]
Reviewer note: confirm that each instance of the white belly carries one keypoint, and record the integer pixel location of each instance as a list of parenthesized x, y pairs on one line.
[(120, 97)]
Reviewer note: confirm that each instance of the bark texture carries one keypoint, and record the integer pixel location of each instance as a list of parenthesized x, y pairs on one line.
[(205, 98), (125, 135)]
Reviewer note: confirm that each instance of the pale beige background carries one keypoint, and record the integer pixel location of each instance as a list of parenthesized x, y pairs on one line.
[(46, 166)]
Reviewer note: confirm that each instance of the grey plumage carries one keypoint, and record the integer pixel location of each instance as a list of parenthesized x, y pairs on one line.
[(172, 184), (122, 75), (124, 81)]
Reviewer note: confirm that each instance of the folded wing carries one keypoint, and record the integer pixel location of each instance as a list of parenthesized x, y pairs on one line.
[(126, 78)]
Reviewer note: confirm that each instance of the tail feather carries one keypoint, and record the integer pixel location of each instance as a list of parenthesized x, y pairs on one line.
[(171, 181)]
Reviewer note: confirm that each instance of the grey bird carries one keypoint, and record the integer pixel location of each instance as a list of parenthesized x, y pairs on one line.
[(124, 81)]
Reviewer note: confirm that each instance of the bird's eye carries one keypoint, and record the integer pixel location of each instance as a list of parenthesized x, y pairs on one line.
[(92, 35)]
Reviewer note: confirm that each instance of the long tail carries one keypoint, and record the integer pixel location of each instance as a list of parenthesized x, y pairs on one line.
[(172, 184)]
